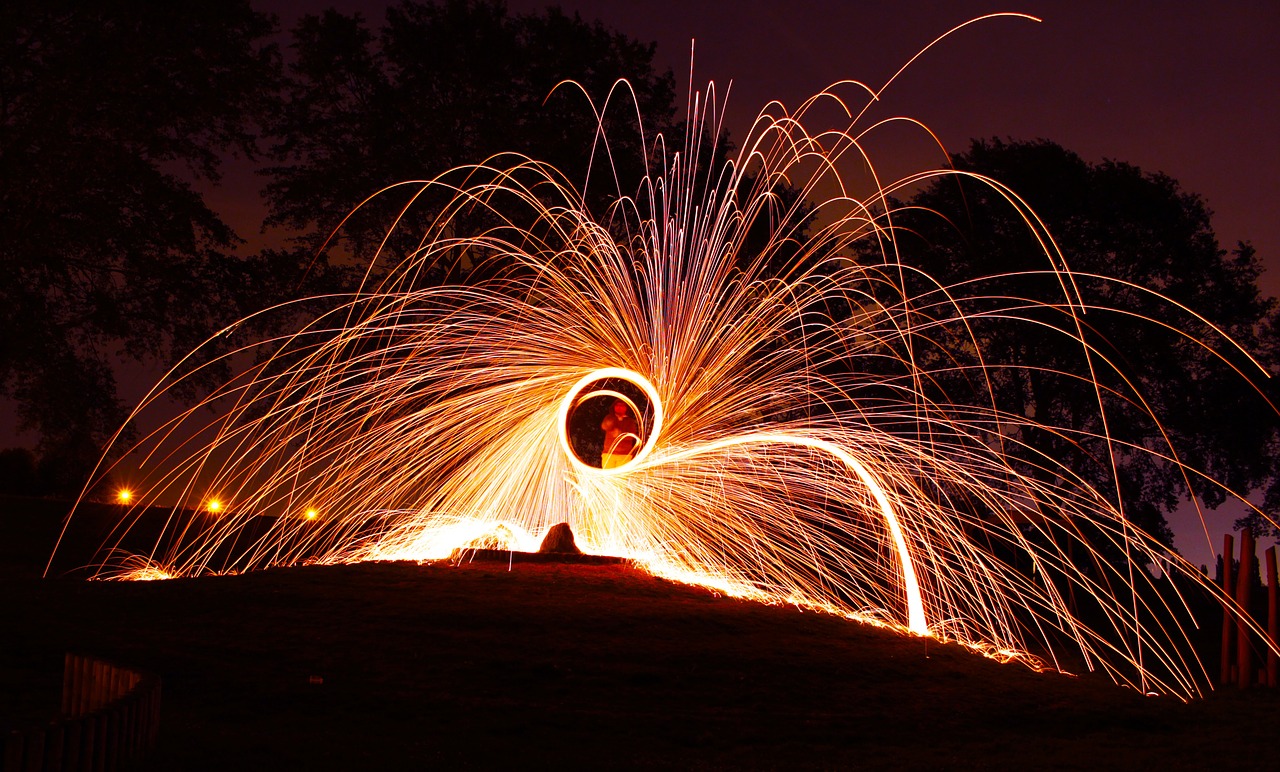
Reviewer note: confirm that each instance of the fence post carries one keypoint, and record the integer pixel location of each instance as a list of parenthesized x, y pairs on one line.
[(112, 751), (101, 685), (33, 754), (68, 683), (1272, 622), (1244, 588), (80, 689), (72, 737), (154, 724), (99, 721), (55, 742), (1228, 555), (12, 760), (127, 719)]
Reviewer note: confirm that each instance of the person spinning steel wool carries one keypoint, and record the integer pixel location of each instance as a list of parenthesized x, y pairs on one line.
[(621, 436)]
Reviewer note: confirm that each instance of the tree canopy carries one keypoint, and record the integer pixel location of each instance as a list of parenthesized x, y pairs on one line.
[(115, 119), (441, 86), (110, 115), (1143, 256)]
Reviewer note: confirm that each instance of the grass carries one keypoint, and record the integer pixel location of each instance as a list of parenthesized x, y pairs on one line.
[(570, 665)]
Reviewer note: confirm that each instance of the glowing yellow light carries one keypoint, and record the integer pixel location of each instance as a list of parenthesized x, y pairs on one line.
[(124, 496), (567, 401), (147, 574), (214, 506), (311, 514), (138, 568)]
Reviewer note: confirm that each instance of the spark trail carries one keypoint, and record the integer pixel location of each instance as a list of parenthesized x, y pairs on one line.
[(800, 440)]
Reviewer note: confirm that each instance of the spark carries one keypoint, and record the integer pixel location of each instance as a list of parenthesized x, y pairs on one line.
[(795, 444), (135, 568)]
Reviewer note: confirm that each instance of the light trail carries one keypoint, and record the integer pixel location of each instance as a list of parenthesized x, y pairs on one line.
[(804, 441)]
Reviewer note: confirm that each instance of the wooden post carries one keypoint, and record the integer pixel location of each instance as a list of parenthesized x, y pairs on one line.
[(137, 724), (72, 737), (54, 743), (1228, 554), (99, 721), (112, 751), (84, 686), (87, 685), (126, 728), (77, 686), (88, 741), (155, 713), (101, 685), (12, 761), (1244, 587), (68, 683), (1273, 622), (33, 758)]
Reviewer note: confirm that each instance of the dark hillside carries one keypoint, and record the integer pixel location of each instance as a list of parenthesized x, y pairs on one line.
[(394, 665)]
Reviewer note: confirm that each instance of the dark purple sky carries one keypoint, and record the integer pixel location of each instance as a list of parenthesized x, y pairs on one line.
[(1187, 88)]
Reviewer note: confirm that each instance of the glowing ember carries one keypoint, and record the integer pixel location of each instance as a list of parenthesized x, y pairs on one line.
[(777, 434), (136, 568), (124, 496)]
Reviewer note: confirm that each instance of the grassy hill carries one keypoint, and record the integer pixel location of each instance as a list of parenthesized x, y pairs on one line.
[(487, 665)]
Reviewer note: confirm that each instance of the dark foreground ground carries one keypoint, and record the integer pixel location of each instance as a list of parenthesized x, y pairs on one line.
[(569, 666)]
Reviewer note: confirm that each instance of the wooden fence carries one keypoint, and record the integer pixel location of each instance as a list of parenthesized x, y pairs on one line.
[(1238, 661), (110, 716)]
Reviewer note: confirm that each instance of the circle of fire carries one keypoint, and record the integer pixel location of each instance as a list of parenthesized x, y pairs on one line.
[(575, 394)]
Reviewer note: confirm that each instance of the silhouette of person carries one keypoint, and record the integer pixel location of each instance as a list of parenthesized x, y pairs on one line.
[(621, 436)]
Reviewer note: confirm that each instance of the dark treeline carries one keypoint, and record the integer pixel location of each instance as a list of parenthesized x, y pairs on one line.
[(1160, 304)]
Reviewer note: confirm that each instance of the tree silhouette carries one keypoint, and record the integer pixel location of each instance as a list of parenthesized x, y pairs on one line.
[(440, 86), (1171, 386), (115, 117), (109, 114)]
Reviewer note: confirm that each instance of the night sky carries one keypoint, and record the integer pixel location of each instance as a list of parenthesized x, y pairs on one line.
[(1190, 92)]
